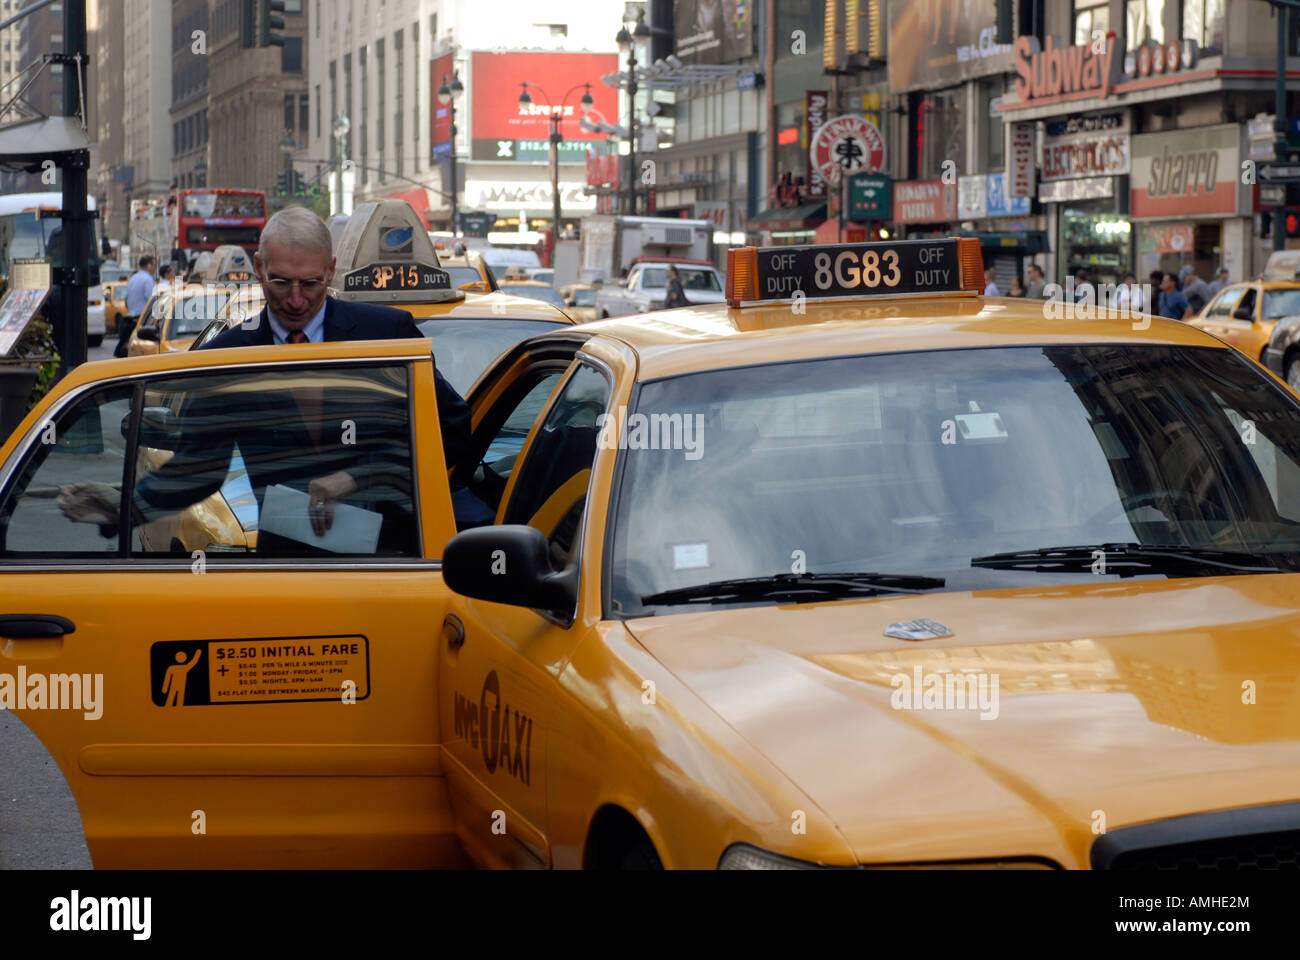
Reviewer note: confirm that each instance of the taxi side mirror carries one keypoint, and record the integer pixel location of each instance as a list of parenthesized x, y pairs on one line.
[(510, 564), (147, 332)]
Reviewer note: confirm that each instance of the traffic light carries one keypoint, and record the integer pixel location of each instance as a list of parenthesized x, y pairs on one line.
[(282, 183), (248, 23), (272, 19), (299, 185), (1005, 21), (1292, 220)]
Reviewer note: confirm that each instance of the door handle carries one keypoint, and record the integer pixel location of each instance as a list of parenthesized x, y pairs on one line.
[(454, 631), (34, 626)]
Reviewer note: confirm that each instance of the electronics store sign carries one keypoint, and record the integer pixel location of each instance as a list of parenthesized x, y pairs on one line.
[(1087, 155)]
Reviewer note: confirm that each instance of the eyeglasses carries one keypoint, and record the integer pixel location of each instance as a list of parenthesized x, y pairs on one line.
[(308, 287)]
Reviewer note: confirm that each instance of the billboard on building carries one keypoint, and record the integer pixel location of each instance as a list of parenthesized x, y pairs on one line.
[(440, 116), (504, 130), (938, 43), (713, 31)]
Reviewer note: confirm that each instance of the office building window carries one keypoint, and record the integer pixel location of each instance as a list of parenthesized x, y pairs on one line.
[(291, 55), (1203, 22), (318, 110), (303, 128), (317, 19), (380, 140), (347, 101), (365, 112), (288, 111), (1090, 18), (1144, 21)]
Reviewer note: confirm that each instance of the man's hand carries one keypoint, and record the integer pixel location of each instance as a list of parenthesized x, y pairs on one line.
[(90, 502), (323, 492)]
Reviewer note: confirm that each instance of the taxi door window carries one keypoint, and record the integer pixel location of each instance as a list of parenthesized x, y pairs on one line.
[(516, 412), (86, 444), (296, 462), (1246, 307), (551, 492)]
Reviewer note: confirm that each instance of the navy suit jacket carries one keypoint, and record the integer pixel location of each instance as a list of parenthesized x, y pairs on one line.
[(349, 320)]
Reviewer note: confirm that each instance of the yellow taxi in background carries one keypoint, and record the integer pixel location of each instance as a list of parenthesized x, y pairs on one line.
[(176, 315), (857, 569), (467, 267), (114, 304), (1245, 314), (579, 301)]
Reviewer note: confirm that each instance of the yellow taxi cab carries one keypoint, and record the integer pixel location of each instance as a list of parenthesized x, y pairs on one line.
[(180, 311), (469, 271), (579, 301), (1245, 314), (114, 304), (857, 569)]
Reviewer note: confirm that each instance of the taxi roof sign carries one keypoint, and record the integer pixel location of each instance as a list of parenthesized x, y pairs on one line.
[(894, 268), (384, 254), (229, 263)]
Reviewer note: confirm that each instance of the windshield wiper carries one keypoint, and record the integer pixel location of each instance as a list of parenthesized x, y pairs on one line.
[(1126, 559), (796, 586)]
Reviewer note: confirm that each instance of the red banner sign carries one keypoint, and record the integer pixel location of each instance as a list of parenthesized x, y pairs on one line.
[(440, 116), (814, 105), (925, 201)]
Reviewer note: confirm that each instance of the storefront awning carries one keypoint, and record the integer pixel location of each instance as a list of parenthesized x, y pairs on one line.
[(806, 217), (1022, 241)]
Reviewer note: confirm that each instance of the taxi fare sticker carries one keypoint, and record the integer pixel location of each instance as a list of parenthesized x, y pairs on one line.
[(397, 276), (188, 673), (857, 269)]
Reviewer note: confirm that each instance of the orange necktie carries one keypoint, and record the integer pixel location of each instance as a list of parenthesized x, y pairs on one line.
[(310, 399)]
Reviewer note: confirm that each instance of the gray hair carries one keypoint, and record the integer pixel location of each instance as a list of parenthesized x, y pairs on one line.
[(296, 227)]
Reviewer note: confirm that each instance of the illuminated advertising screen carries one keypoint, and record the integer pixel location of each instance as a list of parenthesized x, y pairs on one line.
[(503, 129)]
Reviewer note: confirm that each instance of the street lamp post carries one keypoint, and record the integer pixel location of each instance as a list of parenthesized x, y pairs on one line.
[(556, 110), (627, 41), (447, 96)]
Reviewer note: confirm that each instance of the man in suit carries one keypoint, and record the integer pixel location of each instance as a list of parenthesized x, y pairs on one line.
[(283, 444)]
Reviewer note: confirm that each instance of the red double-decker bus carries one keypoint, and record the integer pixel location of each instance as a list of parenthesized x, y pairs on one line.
[(188, 222)]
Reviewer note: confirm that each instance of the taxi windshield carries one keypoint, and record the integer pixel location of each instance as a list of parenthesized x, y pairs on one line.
[(533, 292), (940, 464), (463, 349), (461, 275), (584, 297), (191, 311), (1281, 303)]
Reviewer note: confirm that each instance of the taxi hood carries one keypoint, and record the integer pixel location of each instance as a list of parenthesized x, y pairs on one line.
[(1178, 696)]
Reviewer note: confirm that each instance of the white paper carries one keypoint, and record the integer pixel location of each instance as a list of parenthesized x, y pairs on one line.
[(690, 556), (286, 513)]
